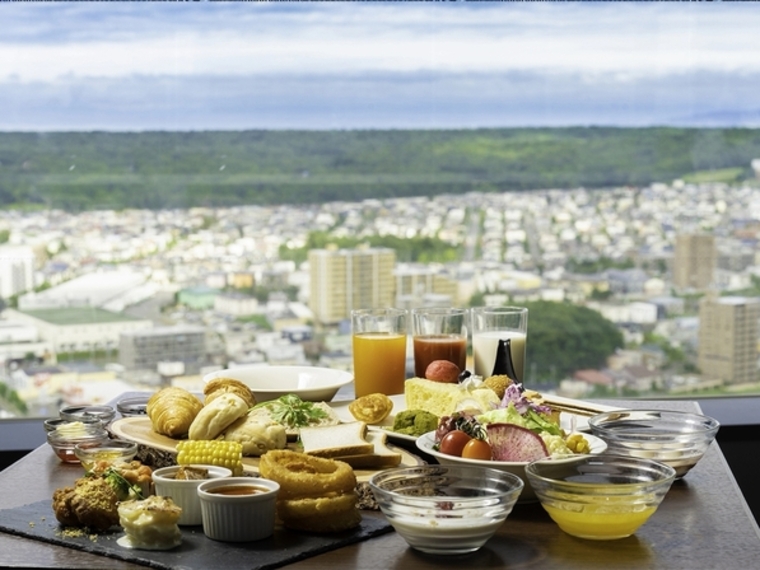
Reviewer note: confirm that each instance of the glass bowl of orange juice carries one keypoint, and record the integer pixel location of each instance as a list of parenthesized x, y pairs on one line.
[(600, 497)]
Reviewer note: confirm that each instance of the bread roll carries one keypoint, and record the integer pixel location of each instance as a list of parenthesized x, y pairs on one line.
[(219, 386), (217, 415), (172, 410), (256, 435)]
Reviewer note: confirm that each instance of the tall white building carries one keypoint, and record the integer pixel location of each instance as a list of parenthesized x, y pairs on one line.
[(16, 270)]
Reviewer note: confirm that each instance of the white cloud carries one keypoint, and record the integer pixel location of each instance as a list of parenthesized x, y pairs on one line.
[(626, 39)]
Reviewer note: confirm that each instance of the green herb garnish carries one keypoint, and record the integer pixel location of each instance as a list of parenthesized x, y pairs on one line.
[(291, 411)]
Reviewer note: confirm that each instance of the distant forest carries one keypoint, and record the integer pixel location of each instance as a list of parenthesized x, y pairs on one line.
[(156, 170)]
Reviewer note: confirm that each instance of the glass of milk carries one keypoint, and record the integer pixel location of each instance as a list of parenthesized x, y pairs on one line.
[(499, 341)]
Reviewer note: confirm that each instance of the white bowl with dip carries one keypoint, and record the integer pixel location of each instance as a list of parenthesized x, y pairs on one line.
[(238, 509), (184, 492)]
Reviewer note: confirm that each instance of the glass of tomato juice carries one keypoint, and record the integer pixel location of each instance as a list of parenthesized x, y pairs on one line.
[(379, 347), (439, 334)]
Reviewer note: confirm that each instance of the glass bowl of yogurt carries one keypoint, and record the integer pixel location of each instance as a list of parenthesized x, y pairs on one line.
[(446, 509)]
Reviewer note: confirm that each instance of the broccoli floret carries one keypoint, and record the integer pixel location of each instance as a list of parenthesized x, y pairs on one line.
[(124, 490)]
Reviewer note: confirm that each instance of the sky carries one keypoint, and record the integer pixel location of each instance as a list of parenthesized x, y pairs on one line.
[(137, 66)]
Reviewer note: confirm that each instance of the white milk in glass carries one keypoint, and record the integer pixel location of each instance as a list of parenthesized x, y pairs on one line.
[(485, 345)]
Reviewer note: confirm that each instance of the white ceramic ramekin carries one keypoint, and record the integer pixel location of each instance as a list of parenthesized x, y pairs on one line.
[(185, 493), (238, 518)]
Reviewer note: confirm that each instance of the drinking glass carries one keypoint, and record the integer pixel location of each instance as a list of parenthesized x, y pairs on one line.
[(439, 334), (379, 346), (499, 341)]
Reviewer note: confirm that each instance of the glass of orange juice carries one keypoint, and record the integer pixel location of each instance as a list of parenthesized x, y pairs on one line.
[(379, 345)]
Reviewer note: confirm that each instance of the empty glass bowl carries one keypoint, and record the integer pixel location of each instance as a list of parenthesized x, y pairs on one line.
[(446, 509), (133, 406), (73, 413), (679, 439), (600, 497)]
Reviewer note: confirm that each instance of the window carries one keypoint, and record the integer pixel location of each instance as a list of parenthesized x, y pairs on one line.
[(156, 156)]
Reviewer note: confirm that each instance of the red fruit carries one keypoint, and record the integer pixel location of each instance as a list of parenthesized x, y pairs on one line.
[(442, 371), (510, 442), (453, 442)]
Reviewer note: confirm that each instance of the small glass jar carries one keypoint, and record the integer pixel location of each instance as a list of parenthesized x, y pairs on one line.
[(64, 438), (134, 406), (53, 423), (74, 413)]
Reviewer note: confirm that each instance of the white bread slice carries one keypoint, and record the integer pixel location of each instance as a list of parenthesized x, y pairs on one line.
[(444, 399), (335, 441), (381, 457)]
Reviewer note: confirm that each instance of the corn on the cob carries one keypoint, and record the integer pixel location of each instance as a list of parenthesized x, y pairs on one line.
[(227, 454)]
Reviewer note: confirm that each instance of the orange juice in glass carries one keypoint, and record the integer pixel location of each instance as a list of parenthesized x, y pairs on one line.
[(379, 346)]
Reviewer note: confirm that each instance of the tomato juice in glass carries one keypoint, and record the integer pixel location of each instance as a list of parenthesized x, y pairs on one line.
[(428, 348), (379, 363)]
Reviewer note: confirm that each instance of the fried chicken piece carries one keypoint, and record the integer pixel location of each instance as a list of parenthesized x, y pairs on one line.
[(92, 503), (62, 508)]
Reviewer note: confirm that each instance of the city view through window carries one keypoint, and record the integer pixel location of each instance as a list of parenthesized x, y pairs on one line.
[(164, 216)]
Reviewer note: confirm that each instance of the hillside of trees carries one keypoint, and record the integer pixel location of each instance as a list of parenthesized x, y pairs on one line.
[(100, 170)]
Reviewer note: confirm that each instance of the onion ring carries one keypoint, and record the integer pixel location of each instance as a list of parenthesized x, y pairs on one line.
[(301, 475), (314, 507), (336, 522)]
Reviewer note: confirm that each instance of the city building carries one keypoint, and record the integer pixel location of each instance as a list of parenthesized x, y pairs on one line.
[(728, 338), (79, 329), (418, 284), (108, 289), (343, 280), (16, 270), (694, 261), (182, 347)]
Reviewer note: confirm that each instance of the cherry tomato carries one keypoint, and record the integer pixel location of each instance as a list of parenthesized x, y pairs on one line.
[(453, 442), (477, 449)]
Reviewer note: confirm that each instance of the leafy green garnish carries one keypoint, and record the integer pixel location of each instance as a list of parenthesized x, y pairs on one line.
[(291, 411), (123, 488)]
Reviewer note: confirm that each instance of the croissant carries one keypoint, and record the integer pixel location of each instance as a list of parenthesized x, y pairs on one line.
[(217, 415), (219, 386), (171, 411)]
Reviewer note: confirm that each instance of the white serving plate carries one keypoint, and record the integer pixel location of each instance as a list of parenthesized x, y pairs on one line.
[(569, 421), (425, 443)]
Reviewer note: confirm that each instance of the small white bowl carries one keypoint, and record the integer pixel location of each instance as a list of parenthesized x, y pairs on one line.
[(238, 517), (310, 383), (185, 492), (425, 443)]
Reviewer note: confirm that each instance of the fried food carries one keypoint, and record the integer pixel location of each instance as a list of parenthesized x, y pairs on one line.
[(316, 506), (498, 383), (91, 503), (301, 475), (316, 494), (372, 408)]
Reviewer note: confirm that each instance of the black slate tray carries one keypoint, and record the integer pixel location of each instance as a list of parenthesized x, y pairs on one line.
[(37, 521)]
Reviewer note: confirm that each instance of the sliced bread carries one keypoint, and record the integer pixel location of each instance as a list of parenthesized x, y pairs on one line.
[(336, 441), (381, 457)]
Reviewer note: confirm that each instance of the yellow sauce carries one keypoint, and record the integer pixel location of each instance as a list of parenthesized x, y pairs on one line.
[(600, 522), (108, 455)]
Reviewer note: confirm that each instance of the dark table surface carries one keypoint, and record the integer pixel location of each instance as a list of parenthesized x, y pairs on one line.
[(703, 523)]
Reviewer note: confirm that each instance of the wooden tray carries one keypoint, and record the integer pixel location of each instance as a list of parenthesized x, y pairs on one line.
[(139, 430)]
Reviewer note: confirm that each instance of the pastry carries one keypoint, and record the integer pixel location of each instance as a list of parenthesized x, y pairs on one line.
[(172, 410), (219, 386), (217, 415)]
